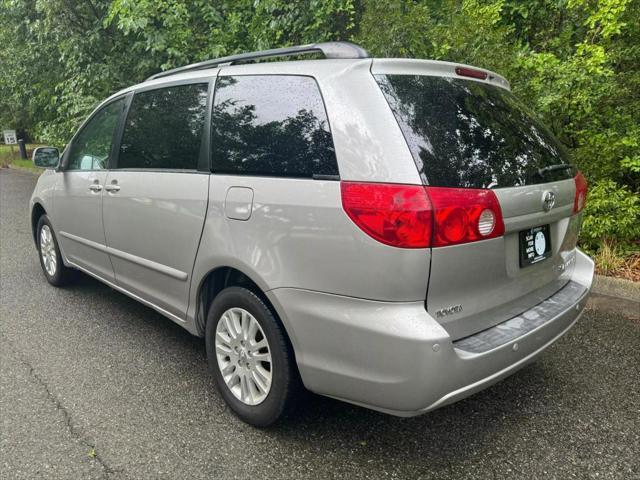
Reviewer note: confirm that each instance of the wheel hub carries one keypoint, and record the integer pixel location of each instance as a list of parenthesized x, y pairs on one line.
[(244, 356)]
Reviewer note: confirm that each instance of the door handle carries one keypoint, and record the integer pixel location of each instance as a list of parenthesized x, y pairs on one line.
[(112, 187), (95, 187)]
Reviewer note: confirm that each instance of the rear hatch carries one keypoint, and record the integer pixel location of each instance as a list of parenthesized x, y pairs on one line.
[(473, 134)]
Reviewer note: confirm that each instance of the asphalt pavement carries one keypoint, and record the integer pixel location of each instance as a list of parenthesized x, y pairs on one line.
[(95, 385)]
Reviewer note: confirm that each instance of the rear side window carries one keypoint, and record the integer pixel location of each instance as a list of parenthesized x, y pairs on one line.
[(164, 128), (272, 125), (464, 133)]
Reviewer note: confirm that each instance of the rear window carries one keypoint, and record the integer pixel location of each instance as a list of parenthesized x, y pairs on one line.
[(272, 125), (463, 133)]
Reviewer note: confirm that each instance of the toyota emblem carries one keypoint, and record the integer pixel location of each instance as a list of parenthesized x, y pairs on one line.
[(548, 201)]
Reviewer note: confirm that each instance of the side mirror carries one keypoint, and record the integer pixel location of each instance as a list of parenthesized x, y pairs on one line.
[(46, 157)]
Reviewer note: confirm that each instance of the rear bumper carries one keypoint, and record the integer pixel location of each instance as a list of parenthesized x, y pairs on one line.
[(394, 357)]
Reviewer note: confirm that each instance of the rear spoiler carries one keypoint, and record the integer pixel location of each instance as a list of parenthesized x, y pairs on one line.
[(409, 66)]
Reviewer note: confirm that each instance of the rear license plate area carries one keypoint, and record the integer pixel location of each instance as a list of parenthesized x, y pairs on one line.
[(535, 245)]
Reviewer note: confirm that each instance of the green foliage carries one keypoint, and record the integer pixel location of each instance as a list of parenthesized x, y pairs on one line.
[(175, 32), (575, 62), (612, 213), (466, 31), (585, 95)]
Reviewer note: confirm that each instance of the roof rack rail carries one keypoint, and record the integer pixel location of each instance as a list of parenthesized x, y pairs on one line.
[(328, 49)]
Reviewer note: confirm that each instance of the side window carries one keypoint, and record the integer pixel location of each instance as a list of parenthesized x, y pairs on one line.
[(91, 148), (164, 128), (273, 125)]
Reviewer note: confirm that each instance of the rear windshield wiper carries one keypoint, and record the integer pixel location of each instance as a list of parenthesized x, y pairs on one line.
[(553, 168)]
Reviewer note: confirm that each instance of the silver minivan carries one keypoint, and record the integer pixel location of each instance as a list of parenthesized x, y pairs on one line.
[(394, 233)]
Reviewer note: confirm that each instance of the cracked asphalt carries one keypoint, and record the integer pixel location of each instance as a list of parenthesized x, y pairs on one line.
[(95, 385)]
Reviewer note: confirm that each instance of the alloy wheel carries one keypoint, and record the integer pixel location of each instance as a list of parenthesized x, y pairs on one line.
[(48, 250), (244, 356)]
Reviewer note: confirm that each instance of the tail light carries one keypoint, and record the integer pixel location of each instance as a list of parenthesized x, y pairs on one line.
[(414, 216), (465, 215), (580, 199), (398, 215)]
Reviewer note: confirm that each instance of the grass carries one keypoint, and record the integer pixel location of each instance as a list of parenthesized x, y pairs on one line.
[(613, 263), (7, 159)]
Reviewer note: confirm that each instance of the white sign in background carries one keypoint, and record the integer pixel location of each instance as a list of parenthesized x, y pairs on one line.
[(10, 137)]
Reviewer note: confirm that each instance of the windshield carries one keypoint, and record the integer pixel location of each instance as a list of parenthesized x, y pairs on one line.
[(464, 133)]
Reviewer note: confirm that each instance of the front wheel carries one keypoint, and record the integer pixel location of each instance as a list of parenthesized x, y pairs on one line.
[(49, 252), (250, 357)]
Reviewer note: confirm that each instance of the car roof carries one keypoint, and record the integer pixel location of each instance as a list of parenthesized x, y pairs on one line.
[(315, 68), (322, 67)]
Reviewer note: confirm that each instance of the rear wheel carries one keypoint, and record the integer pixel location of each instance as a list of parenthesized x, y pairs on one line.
[(250, 357), (50, 259)]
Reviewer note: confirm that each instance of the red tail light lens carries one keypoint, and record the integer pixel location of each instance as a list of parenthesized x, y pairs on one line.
[(464, 215), (471, 72), (398, 215), (413, 216), (580, 199)]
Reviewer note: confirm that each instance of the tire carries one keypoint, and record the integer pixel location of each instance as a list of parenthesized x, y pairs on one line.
[(51, 262), (248, 397)]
